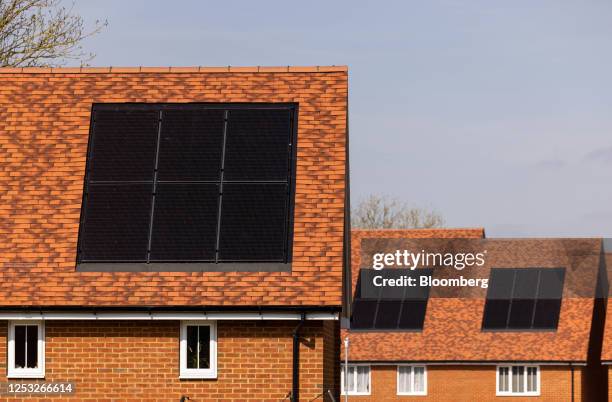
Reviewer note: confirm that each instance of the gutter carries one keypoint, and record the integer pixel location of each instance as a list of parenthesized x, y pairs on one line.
[(150, 315), (469, 363), (295, 390)]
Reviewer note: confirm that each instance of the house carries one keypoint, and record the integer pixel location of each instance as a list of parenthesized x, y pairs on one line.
[(172, 233), (532, 332)]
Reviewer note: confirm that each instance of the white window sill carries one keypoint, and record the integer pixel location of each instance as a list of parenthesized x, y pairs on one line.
[(412, 394), (24, 374), (195, 375)]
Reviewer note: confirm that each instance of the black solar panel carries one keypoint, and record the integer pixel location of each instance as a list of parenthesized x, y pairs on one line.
[(521, 313), (252, 218), (525, 284), (381, 312), (123, 145), (546, 314), (501, 283), (156, 174), (387, 316), (364, 312), (412, 315), (496, 314), (116, 222), (534, 303), (258, 145), (185, 222), (551, 283), (191, 145)]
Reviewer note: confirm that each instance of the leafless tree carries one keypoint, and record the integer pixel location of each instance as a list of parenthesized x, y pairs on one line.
[(383, 212), (35, 33)]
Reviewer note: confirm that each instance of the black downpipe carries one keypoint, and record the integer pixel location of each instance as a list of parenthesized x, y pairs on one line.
[(572, 386), (295, 391)]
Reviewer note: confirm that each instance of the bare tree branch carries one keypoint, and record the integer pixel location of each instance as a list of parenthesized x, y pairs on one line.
[(42, 33), (382, 212)]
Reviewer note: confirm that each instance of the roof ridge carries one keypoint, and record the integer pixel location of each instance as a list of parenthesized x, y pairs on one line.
[(174, 69)]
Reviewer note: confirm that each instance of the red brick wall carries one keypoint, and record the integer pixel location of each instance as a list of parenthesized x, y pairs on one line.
[(471, 383), (139, 360), (331, 345), (44, 129)]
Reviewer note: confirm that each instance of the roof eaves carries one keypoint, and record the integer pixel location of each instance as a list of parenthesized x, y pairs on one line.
[(169, 69)]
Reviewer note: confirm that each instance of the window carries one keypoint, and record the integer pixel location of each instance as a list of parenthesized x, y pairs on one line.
[(189, 183), (411, 380), (518, 380), (406, 312), (198, 349), (26, 349), (524, 298), (358, 382)]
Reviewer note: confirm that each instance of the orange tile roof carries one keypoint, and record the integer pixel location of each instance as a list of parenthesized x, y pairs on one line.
[(44, 130), (452, 328)]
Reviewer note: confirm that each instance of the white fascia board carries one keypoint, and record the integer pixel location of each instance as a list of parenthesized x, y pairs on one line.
[(144, 315)]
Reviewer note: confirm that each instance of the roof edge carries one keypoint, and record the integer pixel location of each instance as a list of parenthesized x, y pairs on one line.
[(171, 69), (470, 362)]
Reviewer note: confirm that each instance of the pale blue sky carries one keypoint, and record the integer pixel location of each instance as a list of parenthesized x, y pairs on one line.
[(495, 113)]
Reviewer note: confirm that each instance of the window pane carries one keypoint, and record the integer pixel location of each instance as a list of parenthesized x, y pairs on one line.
[(532, 379), (204, 347), (518, 379), (192, 346), (32, 346), (503, 379), (20, 346), (419, 379), (404, 384), (351, 379), (363, 379)]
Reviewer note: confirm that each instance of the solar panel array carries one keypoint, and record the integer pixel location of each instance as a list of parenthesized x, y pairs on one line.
[(383, 313), (524, 299), (188, 183)]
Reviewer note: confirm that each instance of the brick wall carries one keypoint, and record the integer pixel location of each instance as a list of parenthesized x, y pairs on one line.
[(331, 358), (139, 361), (471, 383)]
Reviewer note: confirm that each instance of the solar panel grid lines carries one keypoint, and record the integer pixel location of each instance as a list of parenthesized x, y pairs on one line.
[(524, 299), (406, 313), (180, 158)]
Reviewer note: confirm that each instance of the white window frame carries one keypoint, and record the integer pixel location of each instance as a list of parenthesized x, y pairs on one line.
[(368, 392), (413, 366), (14, 372), (509, 392), (191, 373)]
